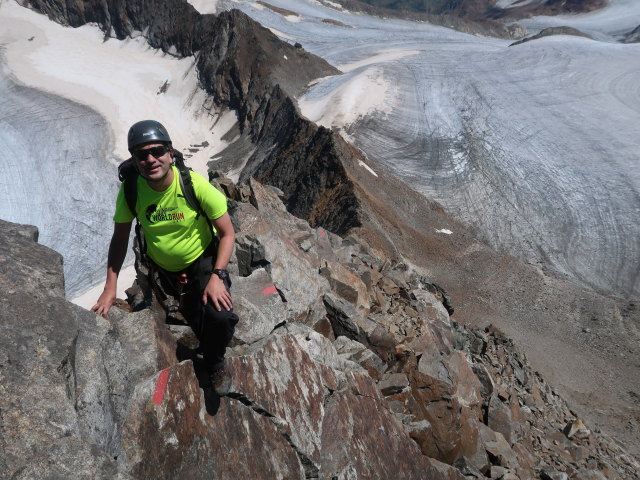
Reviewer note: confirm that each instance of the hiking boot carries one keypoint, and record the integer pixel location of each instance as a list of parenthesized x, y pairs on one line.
[(221, 381), (211, 400)]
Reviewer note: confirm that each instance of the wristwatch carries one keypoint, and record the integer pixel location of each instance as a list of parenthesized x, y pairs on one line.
[(222, 274)]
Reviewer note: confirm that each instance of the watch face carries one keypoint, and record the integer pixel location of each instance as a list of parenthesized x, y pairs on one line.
[(221, 273)]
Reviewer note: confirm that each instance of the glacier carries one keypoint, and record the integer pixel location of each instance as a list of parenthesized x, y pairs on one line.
[(534, 145), (58, 183)]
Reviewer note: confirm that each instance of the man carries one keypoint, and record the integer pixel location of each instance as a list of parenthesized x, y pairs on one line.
[(180, 245)]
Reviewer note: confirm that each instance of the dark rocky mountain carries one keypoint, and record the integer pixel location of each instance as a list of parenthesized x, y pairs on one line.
[(478, 17), (436, 13), (339, 355), (241, 65), (484, 9)]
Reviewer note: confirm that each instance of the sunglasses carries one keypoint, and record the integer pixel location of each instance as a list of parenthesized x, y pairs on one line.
[(157, 152)]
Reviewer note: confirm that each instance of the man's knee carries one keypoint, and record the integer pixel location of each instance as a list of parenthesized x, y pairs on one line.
[(219, 318)]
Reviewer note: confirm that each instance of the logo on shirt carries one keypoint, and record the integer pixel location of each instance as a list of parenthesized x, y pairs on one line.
[(163, 214)]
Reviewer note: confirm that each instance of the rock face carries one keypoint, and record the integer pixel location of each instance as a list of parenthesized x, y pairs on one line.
[(324, 378)]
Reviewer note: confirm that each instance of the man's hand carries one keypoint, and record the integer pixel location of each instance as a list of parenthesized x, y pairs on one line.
[(217, 293), (105, 301)]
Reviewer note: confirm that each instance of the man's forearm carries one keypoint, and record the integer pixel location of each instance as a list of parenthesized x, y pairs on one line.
[(115, 259), (225, 249), (117, 253), (224, 227)]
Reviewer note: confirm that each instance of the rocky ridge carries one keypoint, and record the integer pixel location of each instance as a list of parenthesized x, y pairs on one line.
[(338, 355), (323, 181)]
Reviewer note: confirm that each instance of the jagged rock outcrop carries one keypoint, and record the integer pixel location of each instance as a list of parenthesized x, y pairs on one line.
[(40, 427), (318, 395)]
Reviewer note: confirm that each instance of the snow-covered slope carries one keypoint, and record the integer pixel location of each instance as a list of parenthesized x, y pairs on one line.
[(60, 169), (536, 145)]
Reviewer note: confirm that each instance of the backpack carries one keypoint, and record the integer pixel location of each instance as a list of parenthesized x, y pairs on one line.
[(128, 174)]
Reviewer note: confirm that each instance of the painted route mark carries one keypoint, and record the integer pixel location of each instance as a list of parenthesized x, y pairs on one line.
[(161, 386), (269, 290)]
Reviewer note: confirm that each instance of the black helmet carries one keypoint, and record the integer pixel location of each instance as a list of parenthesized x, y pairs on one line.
[(147, 131)]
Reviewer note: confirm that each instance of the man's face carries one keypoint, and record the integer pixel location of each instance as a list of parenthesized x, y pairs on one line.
[(153, 161)]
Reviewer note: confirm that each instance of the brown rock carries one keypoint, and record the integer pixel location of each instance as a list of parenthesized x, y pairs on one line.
[(363, 453), (369, 276), (393, 383), (380, 299), (499, 418), (225, 185), (437, 429), (279, 376), (498, 448), (323, 327), (468, 386), (358, 353), (497, 471), (585, 474), (549, 473), (485, 378), (347, 285), (534, 399), (576, 429), (511, 476), (411, 312), (525, 458), (165, 435), (388, 286)]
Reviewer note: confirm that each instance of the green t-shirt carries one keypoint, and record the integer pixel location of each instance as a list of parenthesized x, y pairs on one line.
[(174, 237)]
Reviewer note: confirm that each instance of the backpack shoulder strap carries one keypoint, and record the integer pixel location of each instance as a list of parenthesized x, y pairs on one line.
[(186, 185), (129, 176)]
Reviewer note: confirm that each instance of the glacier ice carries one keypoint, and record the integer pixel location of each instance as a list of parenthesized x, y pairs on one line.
[(536, 144), (56, 178)]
